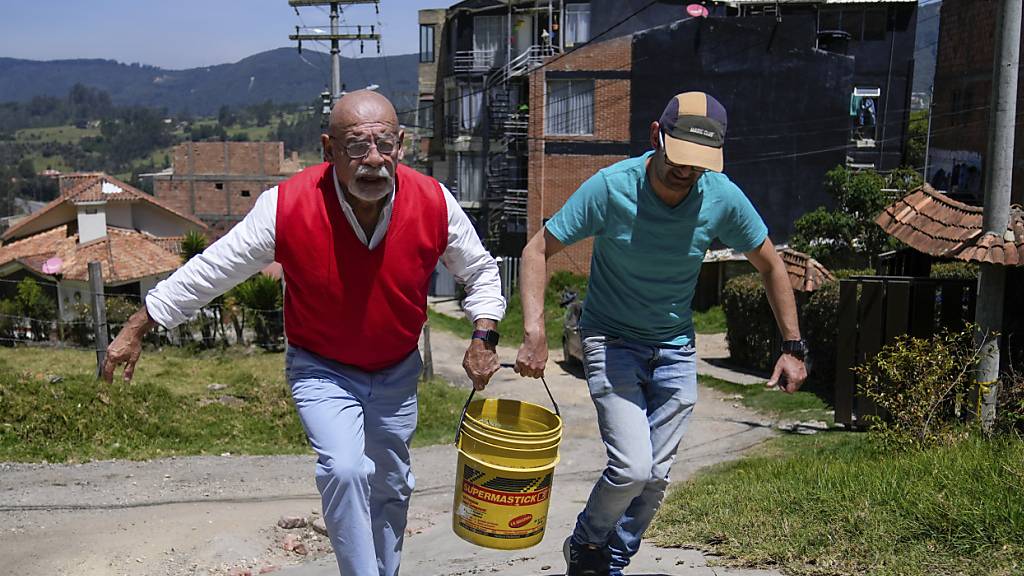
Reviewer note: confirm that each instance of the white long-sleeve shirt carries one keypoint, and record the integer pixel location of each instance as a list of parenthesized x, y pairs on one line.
[(249, 247)]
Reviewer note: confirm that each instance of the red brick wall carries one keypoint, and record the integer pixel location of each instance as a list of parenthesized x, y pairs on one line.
[(206, 164), (237, 158), (963, 77), (554, 177)]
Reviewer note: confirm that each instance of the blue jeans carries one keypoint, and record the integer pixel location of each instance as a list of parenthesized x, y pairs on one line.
[(644, 396), (360, 424)]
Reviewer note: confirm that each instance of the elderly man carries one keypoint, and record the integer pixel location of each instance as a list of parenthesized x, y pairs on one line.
[(358, 237), (653, 218)]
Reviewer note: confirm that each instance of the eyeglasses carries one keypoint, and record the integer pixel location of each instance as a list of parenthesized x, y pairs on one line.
[(695, 169), (385, 145)]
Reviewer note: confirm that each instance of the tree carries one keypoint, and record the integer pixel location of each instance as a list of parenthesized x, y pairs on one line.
[(917, 138), (26, 169), (261, 295), (847, 236), (226, 117), (34, 305), (192, 245)]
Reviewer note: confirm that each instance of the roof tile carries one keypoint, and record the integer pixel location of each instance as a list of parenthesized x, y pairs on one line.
[(935, 224)]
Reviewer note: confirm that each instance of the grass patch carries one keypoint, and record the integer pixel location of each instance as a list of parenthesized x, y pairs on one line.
[(168, 409), (67, 134), (440, 405), (800, 405), (711, 321), (837, 504)]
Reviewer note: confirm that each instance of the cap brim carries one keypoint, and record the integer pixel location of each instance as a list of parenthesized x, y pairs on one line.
[(689, 154)]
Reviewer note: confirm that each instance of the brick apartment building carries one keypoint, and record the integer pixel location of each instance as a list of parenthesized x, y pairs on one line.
[(219, 182), (431, 24), (808, 86), (961, 99), (484, 51)]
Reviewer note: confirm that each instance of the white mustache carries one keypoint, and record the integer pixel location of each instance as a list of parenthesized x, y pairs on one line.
[(372, 172)]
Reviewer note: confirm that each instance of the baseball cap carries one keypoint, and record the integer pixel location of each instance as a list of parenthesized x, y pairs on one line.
[(694, 126)]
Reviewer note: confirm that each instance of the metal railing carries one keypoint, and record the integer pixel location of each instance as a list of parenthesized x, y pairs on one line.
[(474, 61)]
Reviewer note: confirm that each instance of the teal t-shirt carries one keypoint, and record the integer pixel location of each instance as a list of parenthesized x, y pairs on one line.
[(647, 255)]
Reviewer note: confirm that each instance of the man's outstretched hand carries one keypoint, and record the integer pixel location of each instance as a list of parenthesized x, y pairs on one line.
[(127, 347)]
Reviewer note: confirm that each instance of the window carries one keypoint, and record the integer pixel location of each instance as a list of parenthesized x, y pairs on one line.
[(426, 115), (570, 107), (489, 38), (471, 177), (471, 99), (219, 185), (864, 112), (426, 42), (246, 194), (577, 24)]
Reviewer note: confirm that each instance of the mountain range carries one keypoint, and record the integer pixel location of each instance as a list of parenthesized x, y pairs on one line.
[(282, 75)]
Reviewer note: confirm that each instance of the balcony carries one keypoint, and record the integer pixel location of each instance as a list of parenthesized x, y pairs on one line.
[(472, 62)]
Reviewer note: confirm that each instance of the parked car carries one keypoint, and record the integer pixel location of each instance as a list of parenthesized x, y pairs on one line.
[(572, 346)]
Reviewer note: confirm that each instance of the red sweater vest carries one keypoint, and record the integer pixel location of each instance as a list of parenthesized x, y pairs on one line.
[(342, 300)]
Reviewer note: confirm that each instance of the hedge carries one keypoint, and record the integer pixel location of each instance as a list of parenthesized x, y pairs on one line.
[(753, 335)]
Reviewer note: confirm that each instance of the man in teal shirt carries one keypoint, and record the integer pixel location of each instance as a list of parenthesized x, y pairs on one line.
[(652, 218)]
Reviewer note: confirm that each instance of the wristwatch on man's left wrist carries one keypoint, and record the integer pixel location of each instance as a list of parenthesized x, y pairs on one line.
[(488, 336), (796, 348)]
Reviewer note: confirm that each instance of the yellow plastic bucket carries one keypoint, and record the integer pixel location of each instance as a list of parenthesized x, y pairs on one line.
[(507, 456), (468, 427), (514, 419)]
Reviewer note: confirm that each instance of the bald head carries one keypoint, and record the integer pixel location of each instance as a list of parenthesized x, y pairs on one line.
[(362, 107)]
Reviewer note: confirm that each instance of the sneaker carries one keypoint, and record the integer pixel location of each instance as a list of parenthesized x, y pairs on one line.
[(584, 560)]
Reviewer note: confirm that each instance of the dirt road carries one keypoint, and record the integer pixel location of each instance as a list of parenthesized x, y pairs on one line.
[(212, 514)]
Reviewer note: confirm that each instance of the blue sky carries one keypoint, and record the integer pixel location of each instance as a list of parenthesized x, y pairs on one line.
[(185, 33)]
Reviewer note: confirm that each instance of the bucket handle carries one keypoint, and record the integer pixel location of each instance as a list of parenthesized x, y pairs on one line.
[(462, 417)]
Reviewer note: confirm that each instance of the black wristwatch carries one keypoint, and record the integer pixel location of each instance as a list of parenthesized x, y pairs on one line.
[(488, 336), (795, 348)]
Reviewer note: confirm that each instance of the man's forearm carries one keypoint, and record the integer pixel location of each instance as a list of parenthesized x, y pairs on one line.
[(485, 324), (139, 323), (780, 297), (533, 281)]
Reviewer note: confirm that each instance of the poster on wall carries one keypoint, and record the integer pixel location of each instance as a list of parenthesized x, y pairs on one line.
[(955, 171)]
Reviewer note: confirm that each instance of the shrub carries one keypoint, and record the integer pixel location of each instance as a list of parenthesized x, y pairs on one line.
[(957, 270), (819, 325), (922, 386), (119, 310), (750, 325), (1010, 403)]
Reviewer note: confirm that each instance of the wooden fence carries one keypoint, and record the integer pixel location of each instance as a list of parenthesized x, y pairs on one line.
[(874, 310)]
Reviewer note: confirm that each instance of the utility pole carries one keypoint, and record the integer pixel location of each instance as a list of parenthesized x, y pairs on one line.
[(998, 180), (928, 133), (335, 36)]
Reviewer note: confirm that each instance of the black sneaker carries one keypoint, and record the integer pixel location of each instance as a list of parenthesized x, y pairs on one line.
[(584, 560)]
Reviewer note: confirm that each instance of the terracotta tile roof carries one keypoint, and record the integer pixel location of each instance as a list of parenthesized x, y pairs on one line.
[(124, 255), (937, 225), (805, 273), (89, 187)]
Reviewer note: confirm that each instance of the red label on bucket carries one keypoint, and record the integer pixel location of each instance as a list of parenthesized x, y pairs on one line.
[(520, 521)]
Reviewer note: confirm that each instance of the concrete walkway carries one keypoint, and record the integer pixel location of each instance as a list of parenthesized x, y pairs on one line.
[(720, 431)]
